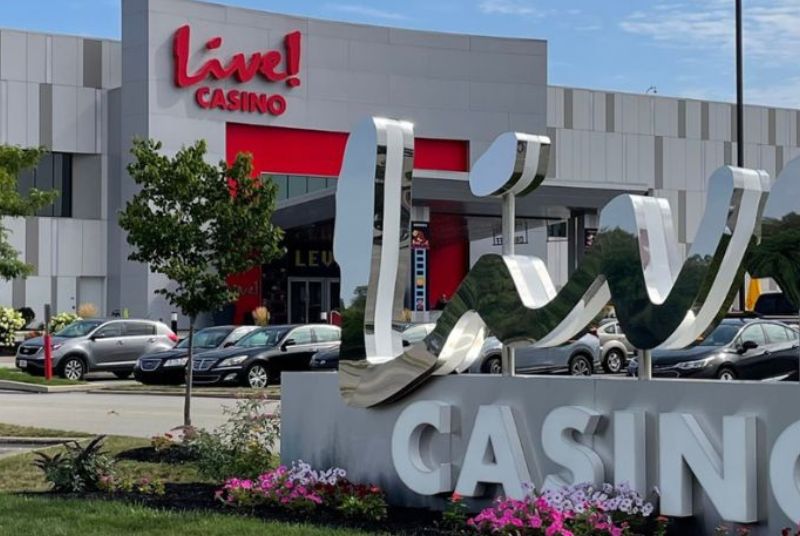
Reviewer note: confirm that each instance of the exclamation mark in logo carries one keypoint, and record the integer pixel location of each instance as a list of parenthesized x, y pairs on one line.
[(292, 44)]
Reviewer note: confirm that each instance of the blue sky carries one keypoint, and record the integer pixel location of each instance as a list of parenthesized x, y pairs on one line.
[(682, 47)]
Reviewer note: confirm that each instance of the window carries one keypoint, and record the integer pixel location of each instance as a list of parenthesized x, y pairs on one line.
[(792, 334), (753, 333), (54, 172), (327, 334), (138, 329), (776, 333), (296, 185), (110, 330), (301, 336), (557, 230)]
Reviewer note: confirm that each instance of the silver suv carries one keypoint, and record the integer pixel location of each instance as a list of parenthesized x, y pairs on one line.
[(97, 345)]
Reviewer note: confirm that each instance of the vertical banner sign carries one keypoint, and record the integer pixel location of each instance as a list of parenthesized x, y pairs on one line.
[(419, 253)]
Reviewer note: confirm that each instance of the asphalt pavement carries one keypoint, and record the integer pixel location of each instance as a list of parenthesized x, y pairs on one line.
[(132, 415)]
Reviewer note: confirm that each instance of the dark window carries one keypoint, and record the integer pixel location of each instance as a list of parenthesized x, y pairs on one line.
[(54, 172), (301, 336), (134, 329), (774, 303), (557, 230), (110, 330)]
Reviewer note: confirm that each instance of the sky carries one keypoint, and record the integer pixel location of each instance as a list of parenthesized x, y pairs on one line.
[(679, 47)]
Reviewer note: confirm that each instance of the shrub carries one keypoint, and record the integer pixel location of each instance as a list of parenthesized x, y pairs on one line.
[(242, 446), (161, 443), (76, 468), (87, 310), (455, 513), (124, 483), (27, 314), (62, 320), (261, 316), (10, 321), (300, 488)]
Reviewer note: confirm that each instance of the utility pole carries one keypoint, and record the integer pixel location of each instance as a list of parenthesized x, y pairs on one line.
[(740, 114)]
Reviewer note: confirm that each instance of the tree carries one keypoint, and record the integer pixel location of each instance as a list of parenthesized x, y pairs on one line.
[(198, 224), (13, 161)]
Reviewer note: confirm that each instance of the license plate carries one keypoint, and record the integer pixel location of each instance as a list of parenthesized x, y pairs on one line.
[(23, 363)]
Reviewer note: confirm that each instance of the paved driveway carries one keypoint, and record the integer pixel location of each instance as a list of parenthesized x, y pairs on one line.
[(133, 415)]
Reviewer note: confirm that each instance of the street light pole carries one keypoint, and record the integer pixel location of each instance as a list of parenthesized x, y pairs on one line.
[(740, 114)]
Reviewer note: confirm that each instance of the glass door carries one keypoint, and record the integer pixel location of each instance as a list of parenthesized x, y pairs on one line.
[(309, 298)]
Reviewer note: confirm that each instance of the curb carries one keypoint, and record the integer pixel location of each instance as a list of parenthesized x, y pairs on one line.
[(195, 394), (43, 441), (45, 389)]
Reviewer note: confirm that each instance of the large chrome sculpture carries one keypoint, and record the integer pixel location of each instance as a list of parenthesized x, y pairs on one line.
[(660, 301)]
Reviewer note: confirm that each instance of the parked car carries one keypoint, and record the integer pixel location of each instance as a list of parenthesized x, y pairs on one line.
[(578, 358), (739, 348), (414, 333), (615, 347), (325, 360), (97, 345), (258, 359), (168, 367)]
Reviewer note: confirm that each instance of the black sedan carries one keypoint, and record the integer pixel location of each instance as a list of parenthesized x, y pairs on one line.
[(169, 367), (259, 358), (739, 348)]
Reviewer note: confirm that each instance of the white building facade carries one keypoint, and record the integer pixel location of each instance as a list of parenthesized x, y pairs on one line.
[(288, 89)]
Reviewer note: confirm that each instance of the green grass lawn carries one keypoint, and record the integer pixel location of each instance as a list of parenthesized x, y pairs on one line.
[(49, 516), (19, 376), (17, 473)]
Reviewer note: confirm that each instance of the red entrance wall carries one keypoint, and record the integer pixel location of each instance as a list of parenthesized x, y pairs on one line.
[(295, 151), (448, 258)]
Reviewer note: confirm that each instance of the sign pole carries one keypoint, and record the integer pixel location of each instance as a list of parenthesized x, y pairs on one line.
[(646, 365), (48, 345), (507, 357)]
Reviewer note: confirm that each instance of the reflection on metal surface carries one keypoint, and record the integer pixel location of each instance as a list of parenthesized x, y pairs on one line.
[(778, 254), (634, 262)]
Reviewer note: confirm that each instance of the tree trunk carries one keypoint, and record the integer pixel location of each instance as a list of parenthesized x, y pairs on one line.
[(187, 403)]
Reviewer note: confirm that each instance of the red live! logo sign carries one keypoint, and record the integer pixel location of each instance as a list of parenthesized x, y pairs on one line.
[(242, 68)]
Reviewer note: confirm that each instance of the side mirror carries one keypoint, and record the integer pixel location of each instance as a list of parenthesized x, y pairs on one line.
[(229, 343), (406, 344), (287, 343), (749, 345)]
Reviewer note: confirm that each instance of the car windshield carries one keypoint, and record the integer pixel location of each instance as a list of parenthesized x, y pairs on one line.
[(721, 336), (206, 338), (262, 337), (80, 328)]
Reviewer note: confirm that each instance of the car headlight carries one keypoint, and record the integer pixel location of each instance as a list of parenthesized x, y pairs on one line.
[(176, 362), (233, 361), (56, 347), (691, 365)]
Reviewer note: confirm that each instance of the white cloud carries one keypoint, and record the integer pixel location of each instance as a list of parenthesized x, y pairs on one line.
[(771, 27), (784, 94), (366, 11), (508, 7)]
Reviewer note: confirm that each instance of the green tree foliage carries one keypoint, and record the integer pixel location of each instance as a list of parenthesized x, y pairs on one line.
[(198, 224), (13, 161)]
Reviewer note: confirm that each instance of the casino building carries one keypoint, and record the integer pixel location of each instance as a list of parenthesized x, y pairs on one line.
[(288, 89)]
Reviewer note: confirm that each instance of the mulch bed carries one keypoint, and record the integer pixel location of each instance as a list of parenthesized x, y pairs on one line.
[(172, 455)]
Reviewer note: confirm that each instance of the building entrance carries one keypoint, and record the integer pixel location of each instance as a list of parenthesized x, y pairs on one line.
[(310, 298)]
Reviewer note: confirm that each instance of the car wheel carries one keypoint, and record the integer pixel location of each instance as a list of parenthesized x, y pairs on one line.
[(493, 365), (614, 362), (726, 374), (122, 375), (257, 376), (73, 368), (580, 366)]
